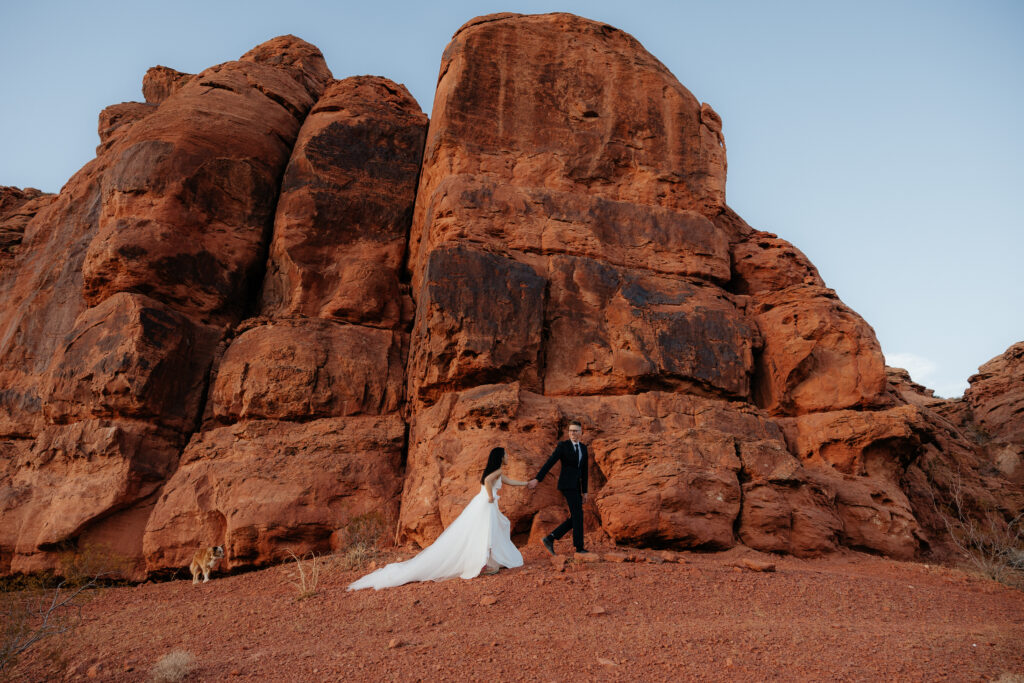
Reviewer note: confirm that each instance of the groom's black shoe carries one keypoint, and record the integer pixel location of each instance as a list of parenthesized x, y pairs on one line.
[(549, 544), (581, 551)]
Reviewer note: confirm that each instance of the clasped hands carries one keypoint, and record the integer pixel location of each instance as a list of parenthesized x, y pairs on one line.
[(532, 484)]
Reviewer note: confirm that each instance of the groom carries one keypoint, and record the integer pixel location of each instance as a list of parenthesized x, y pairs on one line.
[(572, 482)]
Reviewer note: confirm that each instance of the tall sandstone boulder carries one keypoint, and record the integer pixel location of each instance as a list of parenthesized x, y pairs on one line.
[(303, 431), (571, 242), (277, 304), (996, 400)]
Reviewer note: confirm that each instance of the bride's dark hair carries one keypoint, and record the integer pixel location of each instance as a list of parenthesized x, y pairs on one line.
[(493, 462)]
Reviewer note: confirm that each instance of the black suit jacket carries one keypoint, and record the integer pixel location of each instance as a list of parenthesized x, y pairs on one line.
[(574, 473)]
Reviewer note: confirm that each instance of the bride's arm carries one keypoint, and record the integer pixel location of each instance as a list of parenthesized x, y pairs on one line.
[(512, 482), (489, 484)]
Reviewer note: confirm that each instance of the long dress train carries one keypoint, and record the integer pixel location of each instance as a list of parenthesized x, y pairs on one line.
[(462, 549)]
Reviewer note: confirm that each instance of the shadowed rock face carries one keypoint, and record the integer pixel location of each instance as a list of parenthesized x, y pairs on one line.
[(131, 357), (277, 304), (996, 400), (17, 208)]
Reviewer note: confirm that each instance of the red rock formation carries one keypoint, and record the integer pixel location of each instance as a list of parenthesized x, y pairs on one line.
[(130, 357), (41, 291), (669, 471), (160, 82), (820, 367), (339, 235), (566, 130), (566, 105), (186, 208), (343, 216), (561, 242), (108, 301), (534, 172), (17, 208), (615, 272), (116, 117), (995, 403), (860, 443), (74, 480), (260, 487), (763, 263), (801, 520), (224, 327), (818, 355), (298, 370), (911, 392), (960, 471), (996, 396), (612, 330), (13, 198)]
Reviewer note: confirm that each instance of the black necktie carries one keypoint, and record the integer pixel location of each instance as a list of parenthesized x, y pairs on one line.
[(579, 456)]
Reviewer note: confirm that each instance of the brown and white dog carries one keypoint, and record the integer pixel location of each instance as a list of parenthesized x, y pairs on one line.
[(203, 562)]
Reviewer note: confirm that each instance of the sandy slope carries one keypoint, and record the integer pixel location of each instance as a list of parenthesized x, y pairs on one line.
[(845, 617)]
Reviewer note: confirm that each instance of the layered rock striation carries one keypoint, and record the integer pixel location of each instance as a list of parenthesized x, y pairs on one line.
[(276, 303)]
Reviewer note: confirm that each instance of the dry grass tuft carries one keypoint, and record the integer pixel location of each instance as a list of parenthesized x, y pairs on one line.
[(173, 667), (1008, 677), (308, 574), (356, 556)]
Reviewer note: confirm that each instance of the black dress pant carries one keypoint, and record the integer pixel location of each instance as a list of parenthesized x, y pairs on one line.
[(575, 522)]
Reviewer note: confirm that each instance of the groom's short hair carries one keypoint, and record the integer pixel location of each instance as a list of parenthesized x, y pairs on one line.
[(576, 423)]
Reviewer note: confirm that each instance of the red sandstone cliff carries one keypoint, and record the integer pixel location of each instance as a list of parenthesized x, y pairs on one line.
[(276, 301)]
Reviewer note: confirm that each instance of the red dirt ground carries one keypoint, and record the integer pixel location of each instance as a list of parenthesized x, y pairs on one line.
[(846, 617)]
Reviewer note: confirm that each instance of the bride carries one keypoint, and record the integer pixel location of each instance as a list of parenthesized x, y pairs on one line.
[(477, 541)]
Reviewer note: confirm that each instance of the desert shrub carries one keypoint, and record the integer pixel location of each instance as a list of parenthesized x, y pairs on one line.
[(173, 667), (12, 583), (360, 540), (36, 608), (366, 529), (36, 612), (307, 574), (92, 562), (987, 542)]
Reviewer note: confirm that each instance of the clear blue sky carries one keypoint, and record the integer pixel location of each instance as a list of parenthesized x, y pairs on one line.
[(882, 138)]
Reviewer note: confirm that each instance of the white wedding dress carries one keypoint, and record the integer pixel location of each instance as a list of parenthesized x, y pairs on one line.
[(478, 533)]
